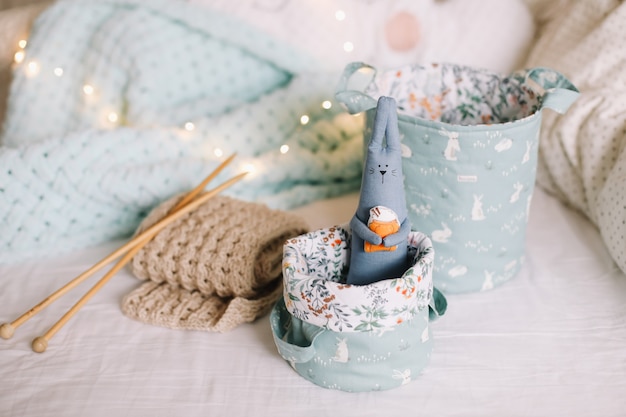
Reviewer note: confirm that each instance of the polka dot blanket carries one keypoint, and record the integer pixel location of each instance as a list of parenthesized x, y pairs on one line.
[(582, 155), (117, 105)]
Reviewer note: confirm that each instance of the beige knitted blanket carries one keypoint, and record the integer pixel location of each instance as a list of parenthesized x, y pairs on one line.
[(213, 269)]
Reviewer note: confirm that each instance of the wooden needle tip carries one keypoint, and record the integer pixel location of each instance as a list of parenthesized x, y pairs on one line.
[(40, 344), (6, 331)]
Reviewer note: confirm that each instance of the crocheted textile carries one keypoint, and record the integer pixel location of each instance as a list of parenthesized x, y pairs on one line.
[(173, 85), (213, 269)]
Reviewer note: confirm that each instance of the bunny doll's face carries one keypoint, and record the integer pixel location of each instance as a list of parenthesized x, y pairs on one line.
[(383, 183), (384, 170)]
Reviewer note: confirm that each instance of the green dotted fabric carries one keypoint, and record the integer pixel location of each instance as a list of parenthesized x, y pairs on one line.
[(353, 361), (118, 105)]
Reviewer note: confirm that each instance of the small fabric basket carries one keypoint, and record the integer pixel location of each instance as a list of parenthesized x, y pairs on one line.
[(469, 144), (353, 338)]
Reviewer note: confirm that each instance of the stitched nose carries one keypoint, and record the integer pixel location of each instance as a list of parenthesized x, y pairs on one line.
[(383, 172)]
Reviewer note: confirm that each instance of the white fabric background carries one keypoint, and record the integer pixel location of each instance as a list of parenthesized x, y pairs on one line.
[(550, 342)]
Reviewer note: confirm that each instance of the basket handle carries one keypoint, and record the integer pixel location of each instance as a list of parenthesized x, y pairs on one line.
[(437, 306), (355, 100), (556, 91), (299, 351)]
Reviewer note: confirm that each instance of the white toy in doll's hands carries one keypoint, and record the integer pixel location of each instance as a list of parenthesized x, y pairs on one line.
[(383, 221)]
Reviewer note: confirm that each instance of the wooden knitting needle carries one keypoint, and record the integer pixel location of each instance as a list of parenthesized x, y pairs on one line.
[(40, 343), (8, 329)]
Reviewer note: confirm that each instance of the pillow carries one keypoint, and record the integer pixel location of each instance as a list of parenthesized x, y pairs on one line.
[(385, 34), (582, 159), (391, 33)]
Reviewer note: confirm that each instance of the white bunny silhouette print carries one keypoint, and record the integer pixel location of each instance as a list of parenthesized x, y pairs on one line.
[(477, 208), (405, 375), (441, 235), (518, 189), (488, 282), (341, 354), (526, 156), (453, 145)]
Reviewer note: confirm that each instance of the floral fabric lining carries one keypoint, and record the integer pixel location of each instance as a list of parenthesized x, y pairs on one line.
[(456, 94), (314, 270)]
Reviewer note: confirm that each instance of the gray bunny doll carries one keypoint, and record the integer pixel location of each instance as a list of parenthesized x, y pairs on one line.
[(375, 256)]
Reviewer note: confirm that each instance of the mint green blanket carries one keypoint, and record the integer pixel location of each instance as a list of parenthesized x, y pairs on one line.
[(118, 105)]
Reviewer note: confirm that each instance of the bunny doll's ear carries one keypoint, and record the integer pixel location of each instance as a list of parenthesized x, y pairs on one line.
[(385, 109), (391, 132)]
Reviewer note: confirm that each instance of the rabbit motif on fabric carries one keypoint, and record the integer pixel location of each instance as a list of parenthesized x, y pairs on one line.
[(477, 208), (453, 145), (441, 235), (382, 186), (342, 354)]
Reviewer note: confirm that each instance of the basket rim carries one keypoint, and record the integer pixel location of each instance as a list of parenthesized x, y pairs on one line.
[(338, 306), (481, 127)]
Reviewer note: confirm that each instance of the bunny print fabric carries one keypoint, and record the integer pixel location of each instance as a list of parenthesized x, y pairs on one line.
[(469, 141), (354, 337)]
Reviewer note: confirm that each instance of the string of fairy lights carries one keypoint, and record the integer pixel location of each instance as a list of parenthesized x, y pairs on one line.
[(33, 68)]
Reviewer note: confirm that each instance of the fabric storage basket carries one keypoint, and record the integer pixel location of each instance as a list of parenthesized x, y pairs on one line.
[(469, 144), (353, 338)]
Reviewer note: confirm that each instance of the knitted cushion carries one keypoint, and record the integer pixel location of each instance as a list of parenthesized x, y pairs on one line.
[(213, 269)]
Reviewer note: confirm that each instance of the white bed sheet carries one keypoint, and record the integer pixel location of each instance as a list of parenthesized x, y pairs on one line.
[(550, 342)]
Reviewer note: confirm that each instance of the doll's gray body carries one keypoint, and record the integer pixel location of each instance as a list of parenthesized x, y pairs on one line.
[(382, 185)]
